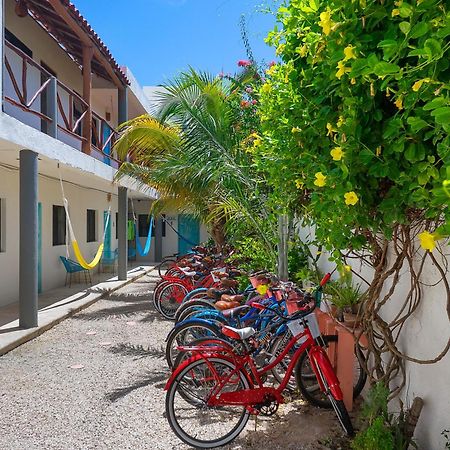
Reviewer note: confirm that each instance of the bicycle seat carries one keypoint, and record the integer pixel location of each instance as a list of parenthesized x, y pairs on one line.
[(216, 293), (232, 298), (226, 282), (234, 312), (238, 333)]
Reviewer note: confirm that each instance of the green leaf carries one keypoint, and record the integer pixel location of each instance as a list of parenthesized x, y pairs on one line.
[(442, 115), (433, 46), (410, 153), (416, 123), (435, 103), (383, 68), (365, 155), (389, 46), (405, 10), (418, 30), (423, 178), (404, 27)]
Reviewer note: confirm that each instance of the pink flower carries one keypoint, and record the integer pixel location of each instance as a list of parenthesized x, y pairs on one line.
[(272, 63), (254, 102), (249, 90), (245, 104), (244, 63)]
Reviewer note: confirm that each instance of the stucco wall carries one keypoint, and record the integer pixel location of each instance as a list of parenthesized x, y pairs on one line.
[(424, 337), (80, 199)]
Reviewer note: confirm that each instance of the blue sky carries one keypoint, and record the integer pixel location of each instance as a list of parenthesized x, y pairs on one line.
[(158, 38)]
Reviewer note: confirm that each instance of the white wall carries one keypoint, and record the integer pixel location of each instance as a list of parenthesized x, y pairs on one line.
[(53, 272), (424, 337)]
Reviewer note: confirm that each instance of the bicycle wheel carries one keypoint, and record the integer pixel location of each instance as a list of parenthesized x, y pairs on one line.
[(276, 348), (338, 406), (169, 299), (309, 387), (188, 413), (156, 292), (191, 304), (165, 264), (187, 333)]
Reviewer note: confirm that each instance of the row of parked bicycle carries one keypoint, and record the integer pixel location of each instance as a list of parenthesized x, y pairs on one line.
[(234, 354)]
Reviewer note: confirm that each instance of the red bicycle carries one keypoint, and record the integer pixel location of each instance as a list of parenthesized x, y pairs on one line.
[(211, 395)]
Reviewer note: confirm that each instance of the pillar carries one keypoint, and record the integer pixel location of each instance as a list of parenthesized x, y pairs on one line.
[(52, 107), (28, 239), (158, 239), (88, 52), (123, 105), (122, 225)]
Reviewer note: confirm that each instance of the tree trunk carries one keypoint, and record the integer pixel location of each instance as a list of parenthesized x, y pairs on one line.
[(218, 234)]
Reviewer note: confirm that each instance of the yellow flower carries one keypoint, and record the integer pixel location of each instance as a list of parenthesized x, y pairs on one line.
[(399, 103), (427, 240), (330, 129), (257, 142), (262, 289), (349, 52), (337, 153), (351, 198), (295, 130), (325, 21), (353, 81), (266, 88), (299, 183), (271, 70), (378, 150), (302, 51), (418, 84), (341, 69), (347, 268), (395, 12), (280, 49), (340, 121), (320, 180)]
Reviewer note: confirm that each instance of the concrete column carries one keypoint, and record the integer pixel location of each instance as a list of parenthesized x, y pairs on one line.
[(28, 240), (158, 239), (52, 108), (123, 234)]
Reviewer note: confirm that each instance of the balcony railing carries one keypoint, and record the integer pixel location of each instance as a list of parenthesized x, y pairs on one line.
[(34, 96)]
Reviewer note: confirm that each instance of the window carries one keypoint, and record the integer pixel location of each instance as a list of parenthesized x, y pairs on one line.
[(143, 225), (14, 40), (59, 225), (2, 225), (117, 225), (91, 225)]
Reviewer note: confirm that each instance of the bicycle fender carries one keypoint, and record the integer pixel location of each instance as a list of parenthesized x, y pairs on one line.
[(320, 358), (193, 321), (190, 294)]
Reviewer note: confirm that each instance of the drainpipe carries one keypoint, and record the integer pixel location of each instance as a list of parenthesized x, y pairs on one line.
[(123, 233), (28, 239)]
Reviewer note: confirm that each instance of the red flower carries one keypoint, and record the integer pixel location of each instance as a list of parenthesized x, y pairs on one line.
[(272, 63), (244, 63), (245, 104)]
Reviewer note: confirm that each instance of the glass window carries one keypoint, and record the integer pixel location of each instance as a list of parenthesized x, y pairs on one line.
[(143, 225), (59, 225), (91, 225)]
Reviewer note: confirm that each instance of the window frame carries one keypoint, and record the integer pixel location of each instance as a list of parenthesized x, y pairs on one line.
[(91, 225), (61, 236)]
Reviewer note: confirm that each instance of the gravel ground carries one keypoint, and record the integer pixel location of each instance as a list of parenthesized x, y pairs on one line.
[(96, 381)]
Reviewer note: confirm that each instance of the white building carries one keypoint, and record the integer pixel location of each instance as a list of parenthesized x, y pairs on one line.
[(64, 96)]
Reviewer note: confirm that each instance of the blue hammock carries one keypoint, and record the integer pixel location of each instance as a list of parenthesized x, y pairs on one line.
[(144, 251)]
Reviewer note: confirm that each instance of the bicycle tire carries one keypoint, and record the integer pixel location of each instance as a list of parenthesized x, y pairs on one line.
[(204, 412), (167, 300), (197, 305), (312, 393), (164, 265), (172, 338)]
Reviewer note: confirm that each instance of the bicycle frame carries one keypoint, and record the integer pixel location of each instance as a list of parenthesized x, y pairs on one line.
[(258, 393)]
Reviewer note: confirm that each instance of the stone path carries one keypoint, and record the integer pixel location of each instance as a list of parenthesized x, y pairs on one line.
[(96, 381)]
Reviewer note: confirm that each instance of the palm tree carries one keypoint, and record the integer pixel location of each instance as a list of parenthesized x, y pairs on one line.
[(191, 153)]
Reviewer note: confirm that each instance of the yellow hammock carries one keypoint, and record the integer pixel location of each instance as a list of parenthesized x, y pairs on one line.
[(76, 249)]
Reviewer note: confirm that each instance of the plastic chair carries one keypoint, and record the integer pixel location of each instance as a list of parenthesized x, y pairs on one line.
[(73, 267), (109, 259)]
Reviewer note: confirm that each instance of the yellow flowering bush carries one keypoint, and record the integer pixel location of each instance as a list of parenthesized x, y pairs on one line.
[(357, 117)]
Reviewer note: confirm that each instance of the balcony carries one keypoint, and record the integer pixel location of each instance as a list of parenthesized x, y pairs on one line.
[(37, 98)]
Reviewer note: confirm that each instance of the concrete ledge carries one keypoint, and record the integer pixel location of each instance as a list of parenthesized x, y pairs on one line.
[(11, 336)]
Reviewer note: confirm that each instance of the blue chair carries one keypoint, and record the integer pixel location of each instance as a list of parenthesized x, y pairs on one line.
[(109, 259), (73, 267)]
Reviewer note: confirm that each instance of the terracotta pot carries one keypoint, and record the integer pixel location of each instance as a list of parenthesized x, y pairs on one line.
[(350, 320)]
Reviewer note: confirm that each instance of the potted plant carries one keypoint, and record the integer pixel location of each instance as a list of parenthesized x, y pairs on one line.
[(348, 300)]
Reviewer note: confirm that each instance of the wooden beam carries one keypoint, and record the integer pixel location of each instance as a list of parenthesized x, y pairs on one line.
[(87, 85), (85, 39)]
